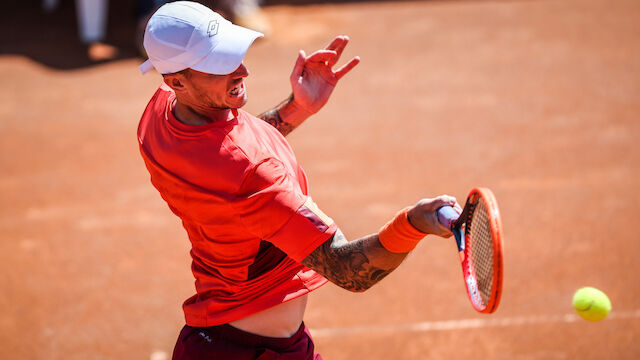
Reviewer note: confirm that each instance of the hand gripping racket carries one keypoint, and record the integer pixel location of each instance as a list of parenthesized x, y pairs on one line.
[(478, 232)]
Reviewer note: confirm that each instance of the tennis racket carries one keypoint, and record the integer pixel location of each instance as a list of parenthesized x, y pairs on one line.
[(478, 233)]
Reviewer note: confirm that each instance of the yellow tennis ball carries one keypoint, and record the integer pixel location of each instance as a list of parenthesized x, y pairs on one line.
[(591, 304)]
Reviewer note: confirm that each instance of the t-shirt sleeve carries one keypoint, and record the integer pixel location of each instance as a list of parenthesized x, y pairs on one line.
[(271, 205)]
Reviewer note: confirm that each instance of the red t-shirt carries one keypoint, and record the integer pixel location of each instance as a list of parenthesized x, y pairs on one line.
[(243, 200)]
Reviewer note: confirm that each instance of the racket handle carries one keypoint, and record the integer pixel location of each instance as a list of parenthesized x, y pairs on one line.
[(447, 216)]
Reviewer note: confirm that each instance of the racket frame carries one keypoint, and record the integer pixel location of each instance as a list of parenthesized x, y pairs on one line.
[(463, 240)]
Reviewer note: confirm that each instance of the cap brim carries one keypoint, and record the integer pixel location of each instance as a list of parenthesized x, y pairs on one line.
[(145, 67), (229, 53)]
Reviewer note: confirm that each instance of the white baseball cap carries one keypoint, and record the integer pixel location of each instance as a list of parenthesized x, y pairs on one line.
[(186, 34)]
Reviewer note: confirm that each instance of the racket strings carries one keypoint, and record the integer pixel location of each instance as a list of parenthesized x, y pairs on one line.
[(482, 249)]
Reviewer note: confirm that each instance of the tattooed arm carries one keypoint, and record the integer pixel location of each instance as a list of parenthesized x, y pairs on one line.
[(359, 264), (353, 265), (286, 116)]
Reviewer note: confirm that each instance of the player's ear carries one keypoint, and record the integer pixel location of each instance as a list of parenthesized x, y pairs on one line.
[(175, 81)]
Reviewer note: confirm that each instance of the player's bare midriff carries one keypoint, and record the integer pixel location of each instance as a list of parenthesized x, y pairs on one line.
[(279, 321)]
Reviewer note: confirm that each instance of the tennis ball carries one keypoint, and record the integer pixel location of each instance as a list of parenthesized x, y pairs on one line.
[(591, 304)]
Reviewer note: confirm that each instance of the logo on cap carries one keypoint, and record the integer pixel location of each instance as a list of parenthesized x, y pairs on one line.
[(213, 28)]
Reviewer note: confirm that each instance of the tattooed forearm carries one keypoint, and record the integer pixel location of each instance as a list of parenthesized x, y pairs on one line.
[(273, 118), (355, 265)]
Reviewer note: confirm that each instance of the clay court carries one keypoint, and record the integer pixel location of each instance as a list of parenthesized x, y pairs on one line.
[(537, 100)]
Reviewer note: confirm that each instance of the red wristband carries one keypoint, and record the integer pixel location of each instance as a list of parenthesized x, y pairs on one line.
[(398, 235)]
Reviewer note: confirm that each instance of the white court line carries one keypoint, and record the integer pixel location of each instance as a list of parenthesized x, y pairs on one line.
[(159, 355), (427, 326)]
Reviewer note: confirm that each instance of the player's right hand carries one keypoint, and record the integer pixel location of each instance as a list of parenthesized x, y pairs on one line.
[(423, 215)]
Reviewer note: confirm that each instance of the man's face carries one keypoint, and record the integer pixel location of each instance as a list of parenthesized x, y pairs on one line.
[(212, 92)]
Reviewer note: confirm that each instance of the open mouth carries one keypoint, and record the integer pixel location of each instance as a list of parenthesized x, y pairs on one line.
[(238, 90)]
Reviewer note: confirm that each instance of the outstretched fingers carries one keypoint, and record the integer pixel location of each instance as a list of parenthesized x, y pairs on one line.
[(322, 56), (324, 60), (335, 43), (298, 68), (338, 44), (344, 69)]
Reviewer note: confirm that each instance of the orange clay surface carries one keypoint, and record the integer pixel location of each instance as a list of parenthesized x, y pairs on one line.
[(537, 100)]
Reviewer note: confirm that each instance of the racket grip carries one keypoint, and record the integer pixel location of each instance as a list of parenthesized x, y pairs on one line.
[(447, 216)]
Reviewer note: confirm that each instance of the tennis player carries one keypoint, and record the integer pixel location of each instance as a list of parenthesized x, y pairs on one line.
[(259, 242)]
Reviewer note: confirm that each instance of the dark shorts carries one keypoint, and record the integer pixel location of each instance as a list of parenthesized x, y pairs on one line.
[(227, 342)]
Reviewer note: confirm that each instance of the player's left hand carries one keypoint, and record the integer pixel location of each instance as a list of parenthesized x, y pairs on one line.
[(313, 78)]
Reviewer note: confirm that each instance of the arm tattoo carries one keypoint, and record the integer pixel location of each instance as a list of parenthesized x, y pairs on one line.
[(273, 118), (353, 265)]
